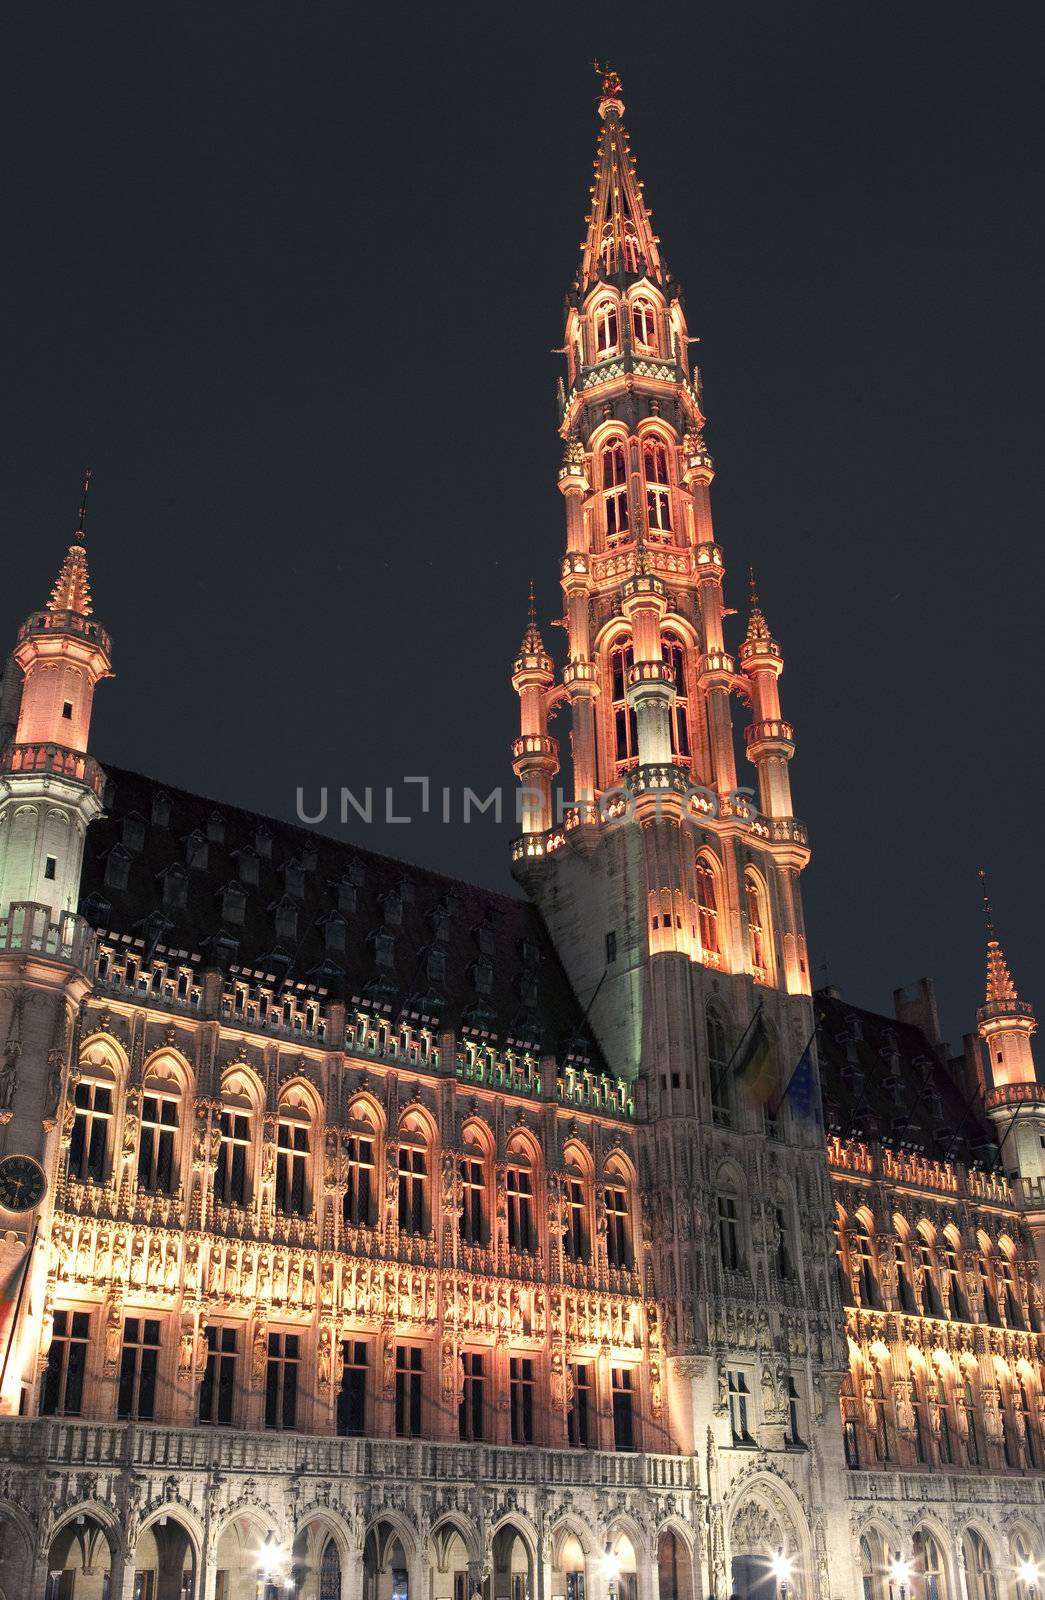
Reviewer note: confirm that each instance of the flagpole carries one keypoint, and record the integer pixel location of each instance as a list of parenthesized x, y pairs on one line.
[(718, 1081), (18, 1302), (776, 1109)]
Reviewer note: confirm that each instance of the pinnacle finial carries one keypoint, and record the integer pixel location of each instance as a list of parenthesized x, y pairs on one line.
[(757, 626), (80, 537), (1000, 985), (611, 84), (532, 643), (988, 913)]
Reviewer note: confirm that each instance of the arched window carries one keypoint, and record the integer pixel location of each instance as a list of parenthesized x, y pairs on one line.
[(870, 1294), (904, 1292), (293, 1148), (758, 927), (918, 1407), (414, 1210), (607, 329), (928, 1565), (1026, 1568), (718, 1061), (522, 1226), (358, 1205), (987, 1285), (330, 1573), (625, 724), (232, 1173), (707, 909), (658, 494), (1029, 1415), (674, 654), (618, 1220), (608, 249), (956, 1306), (878, 1419), (972, 1435), (730, 1243), (577, 1238), (158, 1141), (644, 326), (631, 248), (932, 1306), (472, 1168), (615, 490), (90, 1146), (982, 1582), (1007, 1289)]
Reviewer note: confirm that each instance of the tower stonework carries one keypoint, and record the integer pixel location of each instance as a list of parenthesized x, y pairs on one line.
[(669, 884), (49, 794), (404, 1240)]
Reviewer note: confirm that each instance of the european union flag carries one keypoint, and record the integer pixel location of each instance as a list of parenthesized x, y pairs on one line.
[(801, 1091)]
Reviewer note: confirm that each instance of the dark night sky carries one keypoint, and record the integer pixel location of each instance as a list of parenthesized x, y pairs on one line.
[(287, 278)]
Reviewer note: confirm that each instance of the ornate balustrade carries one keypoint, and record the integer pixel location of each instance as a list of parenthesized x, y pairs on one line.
[(56, 761), (48, 1442), (28, 930)]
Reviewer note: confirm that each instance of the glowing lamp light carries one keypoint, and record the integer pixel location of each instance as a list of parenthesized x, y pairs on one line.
[(610, 1566), (783, 1566), (900, 1572), (1028, 1573)]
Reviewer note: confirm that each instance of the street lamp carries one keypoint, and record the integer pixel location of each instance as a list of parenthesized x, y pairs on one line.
[(782, 1566), (611, 1571), (900, 1572)]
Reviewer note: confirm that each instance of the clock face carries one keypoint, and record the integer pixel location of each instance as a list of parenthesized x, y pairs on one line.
[(22, 1183)]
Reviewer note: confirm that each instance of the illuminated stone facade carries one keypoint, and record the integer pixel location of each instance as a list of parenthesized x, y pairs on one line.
[(404, 1239)]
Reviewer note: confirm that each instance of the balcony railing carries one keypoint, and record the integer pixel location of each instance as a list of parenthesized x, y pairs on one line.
[(72, 1445), (28, 929), (57, 761)]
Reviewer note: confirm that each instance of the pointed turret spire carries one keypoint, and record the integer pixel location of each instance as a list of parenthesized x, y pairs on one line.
[(620, 231), (532, 643), (757, 626), (999, 979), (72, 589)]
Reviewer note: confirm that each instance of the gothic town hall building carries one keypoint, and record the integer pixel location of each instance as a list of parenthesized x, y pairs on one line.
[(390, 1239)]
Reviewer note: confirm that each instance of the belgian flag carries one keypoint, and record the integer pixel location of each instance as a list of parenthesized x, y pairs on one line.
[(756, 1068)]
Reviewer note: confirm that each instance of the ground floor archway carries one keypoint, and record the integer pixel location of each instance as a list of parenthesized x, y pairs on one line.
[(79, 1560)]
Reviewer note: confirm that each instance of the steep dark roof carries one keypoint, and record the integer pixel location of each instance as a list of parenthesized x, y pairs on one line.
[(247, 892), (882, 1079)]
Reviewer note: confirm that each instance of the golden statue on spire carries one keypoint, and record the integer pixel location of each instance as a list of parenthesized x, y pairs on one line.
[(611, 84)]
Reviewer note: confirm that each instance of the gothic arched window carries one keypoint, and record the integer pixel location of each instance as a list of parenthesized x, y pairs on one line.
[(707, 910), (413, 1181), (608, 249), (758, 927), (674, 654), (293, 1149), (631, 248), (615, 489), (577, 1238), (232, 1175), (473, 1193), (618, 1218), (655, 472), (607, 329), (522, 1225), (718, 1062), (625, 724), (361, 1163), (644, 326), (89, 1146), (158, 1140)]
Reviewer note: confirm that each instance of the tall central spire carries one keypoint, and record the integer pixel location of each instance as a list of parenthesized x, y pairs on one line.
[(620, 236)]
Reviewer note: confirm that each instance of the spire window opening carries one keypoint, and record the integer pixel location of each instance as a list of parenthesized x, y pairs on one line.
[(707, 911), (673, 651), (630, 249), (644, 326), (607, 330), (625, 723), (758, 929), (656, 475), (615, 491)]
